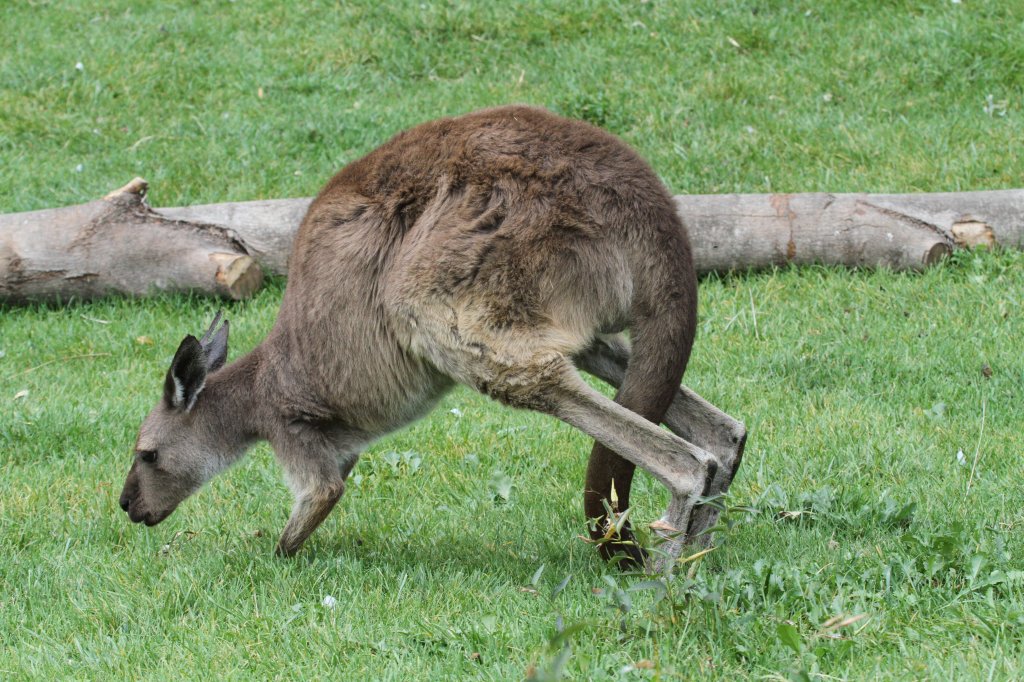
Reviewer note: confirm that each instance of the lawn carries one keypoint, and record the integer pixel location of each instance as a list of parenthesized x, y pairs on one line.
[(875, 528)]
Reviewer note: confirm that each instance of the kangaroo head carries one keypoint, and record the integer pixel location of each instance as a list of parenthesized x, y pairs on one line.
[(177, 448)]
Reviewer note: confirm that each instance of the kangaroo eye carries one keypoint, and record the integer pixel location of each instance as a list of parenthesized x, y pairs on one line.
[(147, 455)]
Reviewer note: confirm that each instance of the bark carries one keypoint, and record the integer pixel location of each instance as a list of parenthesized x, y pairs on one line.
[(266, 227), (119, 244), (899, 231)]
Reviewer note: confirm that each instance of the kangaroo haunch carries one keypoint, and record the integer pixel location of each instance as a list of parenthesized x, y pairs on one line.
[(504, 249)]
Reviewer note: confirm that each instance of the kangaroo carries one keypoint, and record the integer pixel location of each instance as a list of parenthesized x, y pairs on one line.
[(504, 249)]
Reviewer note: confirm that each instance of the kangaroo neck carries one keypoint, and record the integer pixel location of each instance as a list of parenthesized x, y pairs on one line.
[(239, 391)]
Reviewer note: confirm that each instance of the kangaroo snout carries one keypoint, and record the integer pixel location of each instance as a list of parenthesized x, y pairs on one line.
[(132, 503), (130, 492), (137, 514)]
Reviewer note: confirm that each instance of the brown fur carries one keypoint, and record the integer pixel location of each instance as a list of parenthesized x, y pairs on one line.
[(499, 249)]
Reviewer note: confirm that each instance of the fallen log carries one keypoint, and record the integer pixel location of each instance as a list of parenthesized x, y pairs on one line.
[(118, 245), (121, 245), (743, 231), (898, 231)]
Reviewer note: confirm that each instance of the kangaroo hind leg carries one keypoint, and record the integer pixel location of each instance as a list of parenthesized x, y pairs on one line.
[(689, 416), (550, 384)]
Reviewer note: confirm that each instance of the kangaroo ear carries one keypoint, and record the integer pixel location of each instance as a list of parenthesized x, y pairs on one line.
[(215, 344), (187, 375)]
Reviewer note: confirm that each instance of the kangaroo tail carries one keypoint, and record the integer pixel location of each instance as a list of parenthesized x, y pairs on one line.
[(663, 324)]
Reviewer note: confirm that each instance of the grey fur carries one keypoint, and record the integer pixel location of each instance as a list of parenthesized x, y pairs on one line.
[(502, 250)]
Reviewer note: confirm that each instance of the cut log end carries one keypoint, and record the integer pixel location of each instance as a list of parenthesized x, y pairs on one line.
[(936, 252), (970, 233), (238, 276)]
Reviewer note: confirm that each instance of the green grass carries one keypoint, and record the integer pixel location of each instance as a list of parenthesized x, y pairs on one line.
[(859, 388)]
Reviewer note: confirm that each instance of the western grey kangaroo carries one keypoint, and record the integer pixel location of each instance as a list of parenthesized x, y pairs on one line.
[(503, 249)]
